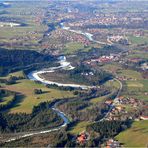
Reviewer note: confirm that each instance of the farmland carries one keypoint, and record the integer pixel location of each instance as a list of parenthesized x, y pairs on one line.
[(68, 67), (137, 89), (29, 99), (138, 40), (129, 74), (31, 33), (136, 136), (77, 127), (5, 100)]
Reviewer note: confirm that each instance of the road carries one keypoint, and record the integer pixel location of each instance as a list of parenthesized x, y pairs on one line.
[(112, 105), (34, 76), (89, 36), (61, 114)]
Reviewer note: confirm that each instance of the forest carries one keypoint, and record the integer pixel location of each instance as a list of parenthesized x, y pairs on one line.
[(89, 76), (42, 117), (107, 129), (11, 59)]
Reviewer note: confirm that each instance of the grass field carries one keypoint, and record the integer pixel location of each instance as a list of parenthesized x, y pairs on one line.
[(138, 40), (129, 74), (73, 47), (112, 84), (29, 99), (98, 99), (27, 13), (136, 136), (134, 84), (113, 67), (78, 127), (5, 100), (138, 54), (137, 89), (16, 74)]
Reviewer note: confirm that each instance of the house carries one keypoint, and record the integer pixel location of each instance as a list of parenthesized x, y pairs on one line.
[(119, 108), (109, 102), (144, 117), (111, 143), (82, 137)]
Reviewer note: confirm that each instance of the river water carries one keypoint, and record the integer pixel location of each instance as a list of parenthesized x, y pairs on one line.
[(89, 36), (64, 64)]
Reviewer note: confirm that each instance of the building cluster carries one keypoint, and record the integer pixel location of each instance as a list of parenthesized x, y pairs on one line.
[(82, 137), (125, 78), (116, 38), (111, 143), (103, 59), (144, 66), (66, 36), (121, 107), (8, 24), (87, 74), (108, 19)]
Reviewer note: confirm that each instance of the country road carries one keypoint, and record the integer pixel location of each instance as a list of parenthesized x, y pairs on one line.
[(112, 106), (34, 76), (89, 36)]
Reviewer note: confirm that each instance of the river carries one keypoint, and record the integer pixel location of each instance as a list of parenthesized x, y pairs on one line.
[(64, 64), (35, 75), (89, 36)]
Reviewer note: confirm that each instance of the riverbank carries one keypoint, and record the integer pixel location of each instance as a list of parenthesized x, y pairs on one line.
[(89, 36), (64, 64)]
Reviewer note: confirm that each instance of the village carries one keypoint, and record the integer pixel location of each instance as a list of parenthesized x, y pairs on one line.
[(99, 99), (124, 108), (103, 59)]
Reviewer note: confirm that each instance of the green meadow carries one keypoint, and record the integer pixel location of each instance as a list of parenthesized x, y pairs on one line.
[(136, 136)]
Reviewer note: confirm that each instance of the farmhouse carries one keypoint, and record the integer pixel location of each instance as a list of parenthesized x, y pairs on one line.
[(144, 117), (82, 137)]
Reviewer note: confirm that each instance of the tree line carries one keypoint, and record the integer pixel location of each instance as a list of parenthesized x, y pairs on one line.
[(19, 59), (42, 117)]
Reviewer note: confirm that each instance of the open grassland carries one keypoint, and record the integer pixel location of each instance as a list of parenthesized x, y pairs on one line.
[(113, 67), (136, 136), (24, 36), (78, 127), (16, 74), (138, 40), (9, 32), (29, 99), (29, 13), (138, 54), (5, 100), (98, 99), (74, 47), (137, 89), (129, 74), (112, 84)]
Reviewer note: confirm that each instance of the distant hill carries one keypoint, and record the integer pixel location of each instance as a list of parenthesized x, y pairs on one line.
[(10, 59)]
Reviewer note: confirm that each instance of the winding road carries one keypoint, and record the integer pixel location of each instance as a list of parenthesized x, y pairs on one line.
[(116, 98), (35, 76)]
